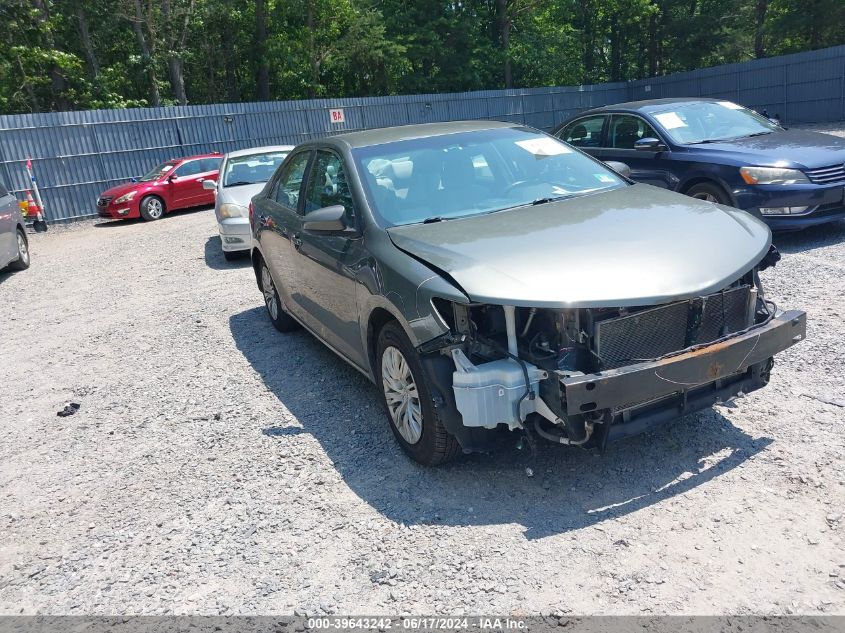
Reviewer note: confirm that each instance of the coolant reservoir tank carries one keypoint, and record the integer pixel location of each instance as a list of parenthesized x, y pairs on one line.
[(489, 394)]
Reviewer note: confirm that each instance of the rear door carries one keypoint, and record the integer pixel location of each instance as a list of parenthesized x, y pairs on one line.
[(209, 170), (8, 226), (277, 219), (586, 133)]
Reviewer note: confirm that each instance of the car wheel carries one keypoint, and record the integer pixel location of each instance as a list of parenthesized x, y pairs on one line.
[(406, 396), (152, 208), (281, 319), (22, 262), (709, 192)]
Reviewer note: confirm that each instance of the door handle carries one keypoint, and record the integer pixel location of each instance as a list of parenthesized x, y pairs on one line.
[(296, 240)]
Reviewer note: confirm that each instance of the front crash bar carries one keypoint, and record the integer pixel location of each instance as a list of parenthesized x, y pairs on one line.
[(651, 380)]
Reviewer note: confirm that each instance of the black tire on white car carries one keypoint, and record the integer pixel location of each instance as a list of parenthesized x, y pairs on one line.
[(22, 262)]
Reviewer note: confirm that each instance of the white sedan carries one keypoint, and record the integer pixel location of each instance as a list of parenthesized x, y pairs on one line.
[(242, 175)]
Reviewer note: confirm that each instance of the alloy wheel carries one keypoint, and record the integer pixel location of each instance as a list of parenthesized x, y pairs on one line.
[(23, 249), (401, 395), (154, 208), (269, 291)]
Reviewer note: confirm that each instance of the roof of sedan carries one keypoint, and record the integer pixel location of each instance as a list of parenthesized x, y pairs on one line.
[(266, 149), (650, 105), (380, 136)]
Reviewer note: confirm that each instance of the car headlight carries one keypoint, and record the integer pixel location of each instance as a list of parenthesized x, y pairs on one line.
[(772, 176), (230, 210), (125, 197)]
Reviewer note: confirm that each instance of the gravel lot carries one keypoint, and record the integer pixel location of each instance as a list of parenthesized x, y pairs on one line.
[(216, 466)]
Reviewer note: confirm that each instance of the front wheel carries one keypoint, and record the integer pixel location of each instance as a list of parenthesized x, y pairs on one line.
[(406, 396), (709, 192), (22, 262), (282, 321), (152, 208)]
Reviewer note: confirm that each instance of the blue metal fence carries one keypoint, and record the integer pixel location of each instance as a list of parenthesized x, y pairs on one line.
[(76, 155)]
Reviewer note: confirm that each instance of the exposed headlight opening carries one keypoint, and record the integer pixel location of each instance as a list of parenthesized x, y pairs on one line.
[(772, 176)]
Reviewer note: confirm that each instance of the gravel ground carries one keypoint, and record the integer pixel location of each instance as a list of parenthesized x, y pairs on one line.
[(216, 466)]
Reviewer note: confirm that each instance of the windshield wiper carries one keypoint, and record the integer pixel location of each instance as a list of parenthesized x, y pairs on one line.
[(238, 183), (549, 199), (728, 140), (434, 219)]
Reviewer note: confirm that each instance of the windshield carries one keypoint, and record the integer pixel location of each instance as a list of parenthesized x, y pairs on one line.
[(457, 175), (157, 172), (708, 122), (251, 169)]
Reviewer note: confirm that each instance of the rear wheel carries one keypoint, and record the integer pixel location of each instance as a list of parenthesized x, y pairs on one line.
[(282, 321), (22, 262), (152, 208), (709, 192), (406, 396)]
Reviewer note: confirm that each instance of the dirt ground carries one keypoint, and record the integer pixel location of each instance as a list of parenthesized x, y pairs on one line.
[(216, 466)]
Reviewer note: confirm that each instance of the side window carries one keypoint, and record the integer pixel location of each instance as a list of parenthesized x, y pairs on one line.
[(210, 164), (286, 190), (191, 168), (327, 185), (584, 132), (627, 129)]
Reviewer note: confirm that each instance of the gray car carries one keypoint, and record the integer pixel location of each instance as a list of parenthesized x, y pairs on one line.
[(14, 246), (242, 174), (488, 276)]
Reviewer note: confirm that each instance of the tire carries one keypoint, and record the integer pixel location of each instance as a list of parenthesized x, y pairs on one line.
[(710, 192), (233, 256), (414, 420), (282, 321), (22, 262), (152, 208)]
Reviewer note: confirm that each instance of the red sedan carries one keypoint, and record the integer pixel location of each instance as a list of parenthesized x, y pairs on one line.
[(176, 184)]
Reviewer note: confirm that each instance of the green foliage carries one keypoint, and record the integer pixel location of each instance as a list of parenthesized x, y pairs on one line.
[(79, 54)]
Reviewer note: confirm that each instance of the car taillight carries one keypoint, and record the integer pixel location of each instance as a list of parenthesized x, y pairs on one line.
[(251, 216)]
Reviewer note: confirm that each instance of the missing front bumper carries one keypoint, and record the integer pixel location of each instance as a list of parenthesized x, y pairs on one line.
[(682, 373)]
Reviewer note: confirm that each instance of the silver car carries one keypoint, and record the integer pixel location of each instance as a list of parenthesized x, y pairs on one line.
[(242, 175), (14, 246)]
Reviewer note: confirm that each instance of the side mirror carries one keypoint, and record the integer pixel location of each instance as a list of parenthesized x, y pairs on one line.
[(620, 168), (650, 144), (209, 185), (172, 177), (326, 220)]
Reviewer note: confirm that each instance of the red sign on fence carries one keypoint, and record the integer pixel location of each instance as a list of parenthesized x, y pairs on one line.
[(336, 115)]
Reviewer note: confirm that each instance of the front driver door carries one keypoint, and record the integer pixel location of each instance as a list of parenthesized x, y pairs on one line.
[(326, 265), (185, 184), (652, 168)]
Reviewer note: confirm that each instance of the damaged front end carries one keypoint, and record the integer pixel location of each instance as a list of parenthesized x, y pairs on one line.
[(586, 376)]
